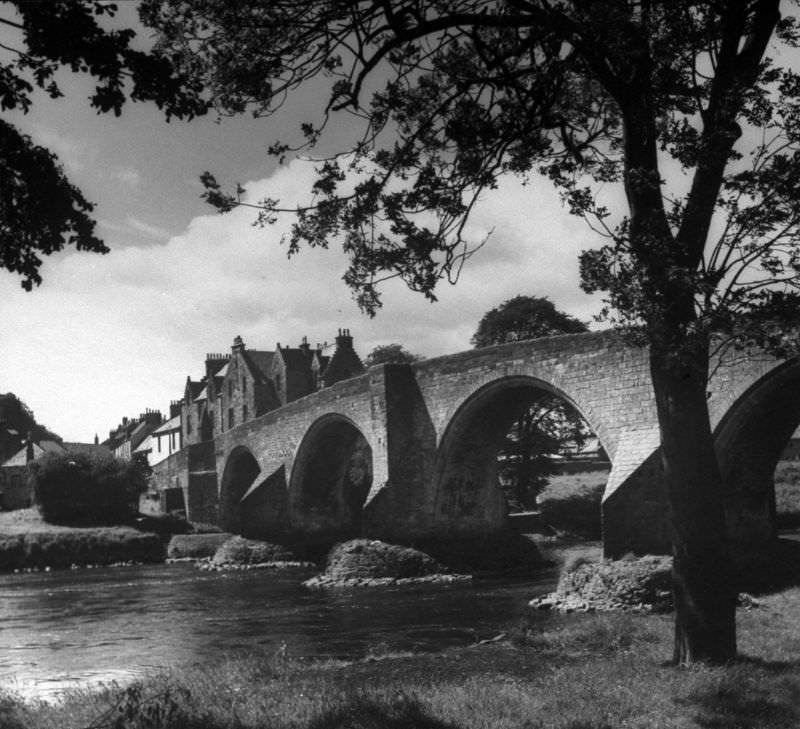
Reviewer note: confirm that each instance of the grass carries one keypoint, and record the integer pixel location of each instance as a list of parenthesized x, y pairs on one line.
[(27, 541), (570, 504), (787, 494), (572, 672)]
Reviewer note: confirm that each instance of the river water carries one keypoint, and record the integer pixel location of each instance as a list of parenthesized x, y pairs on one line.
[(75, 628)]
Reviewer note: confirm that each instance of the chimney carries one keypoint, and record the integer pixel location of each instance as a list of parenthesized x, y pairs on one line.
[(238, 345), (344, 340), (305, 346), (96, 439)]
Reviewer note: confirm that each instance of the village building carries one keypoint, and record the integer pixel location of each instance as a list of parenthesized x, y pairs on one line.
[(15, 490), (235, 389)]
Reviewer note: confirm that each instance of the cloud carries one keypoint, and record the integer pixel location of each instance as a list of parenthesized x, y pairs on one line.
[(128, 176), (73, 154), (107, 336), (152, 231)]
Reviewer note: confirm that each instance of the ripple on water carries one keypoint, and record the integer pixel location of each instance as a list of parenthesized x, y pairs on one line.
[(86, 628)]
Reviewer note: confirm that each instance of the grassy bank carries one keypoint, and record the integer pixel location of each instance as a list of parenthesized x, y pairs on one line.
[(573, 672), (28, 542)]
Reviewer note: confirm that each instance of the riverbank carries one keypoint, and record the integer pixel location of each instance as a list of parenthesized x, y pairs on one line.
[(27, 542), (589, 671)]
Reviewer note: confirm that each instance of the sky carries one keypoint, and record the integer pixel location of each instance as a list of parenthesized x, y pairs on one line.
[(107, 336)]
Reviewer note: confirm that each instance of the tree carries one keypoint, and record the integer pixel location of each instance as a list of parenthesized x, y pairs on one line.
[(41, 212), (79, 488), (390, 354), (547, 426), (524, 317), (678, 104)]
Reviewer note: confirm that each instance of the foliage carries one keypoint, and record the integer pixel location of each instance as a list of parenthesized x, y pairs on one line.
[(389, 354), (586, 93), (524, 317), (76, 488), (40, 210), (550, 425), (681, 105)]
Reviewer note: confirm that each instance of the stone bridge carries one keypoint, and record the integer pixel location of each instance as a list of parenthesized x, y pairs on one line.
[(407, 453)]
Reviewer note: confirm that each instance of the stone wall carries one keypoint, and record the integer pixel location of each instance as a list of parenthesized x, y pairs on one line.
[(431, 430)]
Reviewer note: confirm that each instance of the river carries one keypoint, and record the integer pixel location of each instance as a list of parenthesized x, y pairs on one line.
[(67, 629)]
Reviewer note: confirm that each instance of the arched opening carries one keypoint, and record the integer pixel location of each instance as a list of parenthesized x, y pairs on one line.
[(331, 479), (240, 473), (757, 454), (504, 449)]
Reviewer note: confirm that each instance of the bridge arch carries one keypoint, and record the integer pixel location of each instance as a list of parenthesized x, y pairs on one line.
[(467, 492), (749, 440), (330, 480), (239, 475)]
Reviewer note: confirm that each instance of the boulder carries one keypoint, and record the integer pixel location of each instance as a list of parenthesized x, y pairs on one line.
[(628, 584), (238, 552), (370, 562)]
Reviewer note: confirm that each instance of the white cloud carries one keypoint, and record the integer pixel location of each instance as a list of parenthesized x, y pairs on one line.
[(152, 231), (107, 336), (128, 176)]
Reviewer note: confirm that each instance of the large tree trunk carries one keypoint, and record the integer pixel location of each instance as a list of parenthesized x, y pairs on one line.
[(703, 586)]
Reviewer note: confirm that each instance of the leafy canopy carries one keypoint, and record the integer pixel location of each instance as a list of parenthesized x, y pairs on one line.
[(678, 102), (390, 354), (524, 317), (41, 212), (548, 425)]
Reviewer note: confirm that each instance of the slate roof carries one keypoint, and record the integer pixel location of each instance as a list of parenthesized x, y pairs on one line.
[(195, 387), (344, 364), (171, 424), (261, 362), (295, 359)]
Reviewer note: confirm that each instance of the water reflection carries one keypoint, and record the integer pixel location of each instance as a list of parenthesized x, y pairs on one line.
[(62, 629)]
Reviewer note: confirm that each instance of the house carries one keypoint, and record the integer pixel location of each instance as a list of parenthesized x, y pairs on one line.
[(129, 434), (15, 490)]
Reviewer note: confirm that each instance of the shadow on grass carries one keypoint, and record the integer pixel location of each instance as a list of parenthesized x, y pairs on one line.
[(361, 712), (769, 568), (742, 700)]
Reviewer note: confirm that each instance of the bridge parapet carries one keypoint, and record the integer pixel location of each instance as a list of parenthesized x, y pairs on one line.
[(408, 452)]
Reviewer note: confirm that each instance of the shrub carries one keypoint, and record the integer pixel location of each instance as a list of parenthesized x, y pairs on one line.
[(81, 489)]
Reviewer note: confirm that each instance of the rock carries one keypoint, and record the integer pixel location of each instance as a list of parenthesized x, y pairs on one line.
[(372, 563), (195, 546), (241, 553), (642, 584)]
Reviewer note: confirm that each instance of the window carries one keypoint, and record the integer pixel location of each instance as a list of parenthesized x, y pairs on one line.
[(188, 424), (244, 413), (230, 417), (244, 385)]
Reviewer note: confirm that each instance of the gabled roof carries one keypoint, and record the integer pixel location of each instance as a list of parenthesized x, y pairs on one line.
[(194, 388), (343, 365), (295, 359), (202, 396), (171, 424), (320, 360), (261, 361), (20, 458)]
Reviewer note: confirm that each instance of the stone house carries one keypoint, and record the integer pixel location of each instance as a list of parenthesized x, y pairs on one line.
[(236, 388)]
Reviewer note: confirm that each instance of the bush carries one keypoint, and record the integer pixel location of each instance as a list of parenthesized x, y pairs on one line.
[(79, 489)]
